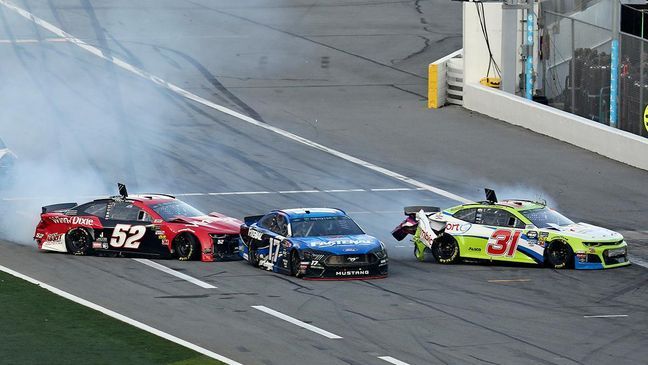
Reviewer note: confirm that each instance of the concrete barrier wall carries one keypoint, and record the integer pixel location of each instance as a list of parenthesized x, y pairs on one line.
[(604, 140)]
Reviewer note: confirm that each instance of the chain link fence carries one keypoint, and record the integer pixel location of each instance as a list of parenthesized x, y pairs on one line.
[(633, 84), (575, 63)]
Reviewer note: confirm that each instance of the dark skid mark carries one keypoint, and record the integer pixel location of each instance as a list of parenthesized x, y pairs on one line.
[(183, 296), (217, 84)]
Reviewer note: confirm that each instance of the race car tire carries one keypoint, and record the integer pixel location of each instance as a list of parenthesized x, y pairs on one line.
[(185, 246), (253, 255), (78, 242), (445, 250), (295, 262), (559, 255)]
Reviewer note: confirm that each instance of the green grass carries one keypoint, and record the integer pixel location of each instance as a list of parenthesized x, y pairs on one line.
[(40, 327)]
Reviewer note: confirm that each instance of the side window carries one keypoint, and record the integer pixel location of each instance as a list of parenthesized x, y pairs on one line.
[(268, 221), (467, 215), (500, 218), (282, 226), (97, 209), (124, 211)]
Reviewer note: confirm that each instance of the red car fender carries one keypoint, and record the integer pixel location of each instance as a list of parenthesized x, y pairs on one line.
[(204, 239)]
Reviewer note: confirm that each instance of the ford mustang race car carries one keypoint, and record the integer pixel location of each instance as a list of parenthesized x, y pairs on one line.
[(313, 243), (511, 230), (148, 224)]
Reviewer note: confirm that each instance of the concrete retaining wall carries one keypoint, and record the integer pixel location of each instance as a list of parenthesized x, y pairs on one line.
[(604, 140)]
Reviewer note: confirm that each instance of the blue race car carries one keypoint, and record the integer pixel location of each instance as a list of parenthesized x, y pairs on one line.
[(313, 243)]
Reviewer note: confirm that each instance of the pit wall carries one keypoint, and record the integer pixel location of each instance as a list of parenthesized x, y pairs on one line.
[(604, 140)]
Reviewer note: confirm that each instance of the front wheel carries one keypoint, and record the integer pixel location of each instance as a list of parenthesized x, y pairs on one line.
[(185, 246), (559, 255), (445, 250), (295, 263), (253, 255), (78, 242)]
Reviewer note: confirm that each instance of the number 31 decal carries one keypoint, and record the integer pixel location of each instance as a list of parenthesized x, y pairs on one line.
[(127, 236), (503, 242)]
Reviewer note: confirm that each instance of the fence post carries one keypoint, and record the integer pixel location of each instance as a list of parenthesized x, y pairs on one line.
[(572, 70), (614, 65), (529, 53)]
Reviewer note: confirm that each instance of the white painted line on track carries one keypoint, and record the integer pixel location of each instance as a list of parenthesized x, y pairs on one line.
[(225, 193), (121, 317), (607, 316), (637, 261), (392, 360), (296, 322), (180, 91), (180, 275)]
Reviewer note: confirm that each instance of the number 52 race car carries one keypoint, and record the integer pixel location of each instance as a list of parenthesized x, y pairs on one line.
[(313, 243), (149, 224), (511, 230)]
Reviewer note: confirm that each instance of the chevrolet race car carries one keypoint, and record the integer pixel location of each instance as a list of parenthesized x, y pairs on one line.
[(313, 243), (519, 231), (148, 224)]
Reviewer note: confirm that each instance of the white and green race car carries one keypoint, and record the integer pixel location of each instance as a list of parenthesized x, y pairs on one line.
[(520, 231)]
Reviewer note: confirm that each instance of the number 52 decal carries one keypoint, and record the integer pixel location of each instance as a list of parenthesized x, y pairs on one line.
[(503, 242), (127, 236)]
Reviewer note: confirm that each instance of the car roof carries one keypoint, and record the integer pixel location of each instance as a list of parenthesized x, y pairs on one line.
[(514, 204), (312, 212), (148, 199)]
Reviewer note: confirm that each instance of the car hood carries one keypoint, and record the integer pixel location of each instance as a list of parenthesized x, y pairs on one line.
[(588, 232), (339, 244), (213, 224)]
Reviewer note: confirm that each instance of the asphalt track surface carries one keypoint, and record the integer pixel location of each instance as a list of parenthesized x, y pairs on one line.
[(351, 76)]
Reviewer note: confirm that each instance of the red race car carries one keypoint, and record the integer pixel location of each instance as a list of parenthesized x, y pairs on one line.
[(148, 224)]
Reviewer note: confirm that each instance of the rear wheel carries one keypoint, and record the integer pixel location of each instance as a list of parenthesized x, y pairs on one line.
[(78, 242), (295, 263), (445, 250), (559, 255), (186, 247), (253, 255)]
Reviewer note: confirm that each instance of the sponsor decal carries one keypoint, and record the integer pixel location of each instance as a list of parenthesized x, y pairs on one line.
[(39, 235), (54, 237), (158, 221), (159, 233), (343, 242), (96, 245), (532, 234), (352, 258), (476, 249), (256, 235), (351, 272), (72, 220), (458, 227), (350, 249)]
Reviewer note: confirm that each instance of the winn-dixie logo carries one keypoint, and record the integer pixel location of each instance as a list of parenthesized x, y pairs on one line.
[(72, 220), (352, 272)]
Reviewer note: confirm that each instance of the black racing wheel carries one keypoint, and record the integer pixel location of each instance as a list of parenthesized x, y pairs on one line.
[(559, 255), (78, 242), (253, 255), (186, 246), (445, 250), (295, 262)]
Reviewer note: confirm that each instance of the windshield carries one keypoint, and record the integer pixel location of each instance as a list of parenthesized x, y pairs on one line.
[(543, 217), (176, 208), (324, 226)]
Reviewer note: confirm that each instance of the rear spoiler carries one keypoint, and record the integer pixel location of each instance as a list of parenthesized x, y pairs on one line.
[(58, 207), (252, 219), (411, 211)]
